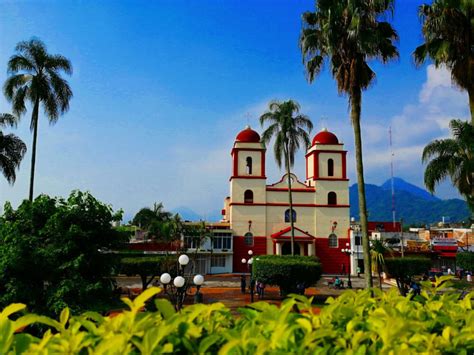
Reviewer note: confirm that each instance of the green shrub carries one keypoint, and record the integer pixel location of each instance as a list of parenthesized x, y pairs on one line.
[(287, 271), (403, 269), (465, 260), (355, 322), (147, 267)]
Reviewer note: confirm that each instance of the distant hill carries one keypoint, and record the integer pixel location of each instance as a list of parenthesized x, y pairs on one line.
[(414, 204), (189, 215)]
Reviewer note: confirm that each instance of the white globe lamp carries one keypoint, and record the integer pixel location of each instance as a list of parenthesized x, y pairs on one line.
[(198, 280), (183, 260), (165, 278), (179, 281), (250, 252)]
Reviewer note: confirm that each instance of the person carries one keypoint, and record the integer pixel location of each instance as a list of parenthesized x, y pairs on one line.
[(449, 271), (358, 271), (259, 289), (416, 288), (337, 283), (243, 283), (469, 276)]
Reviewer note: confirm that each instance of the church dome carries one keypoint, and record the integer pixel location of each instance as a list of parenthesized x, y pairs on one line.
[(248, 135), (325, 137)]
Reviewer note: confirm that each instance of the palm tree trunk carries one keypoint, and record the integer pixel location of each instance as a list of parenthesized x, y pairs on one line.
[(471, 104), (290, 198), (34, 123), (356, 99)]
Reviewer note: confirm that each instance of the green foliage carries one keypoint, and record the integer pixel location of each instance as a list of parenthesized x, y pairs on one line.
[(147, 267), (53, 253), (12, 149), (465, 260), (287, 271), (355, 322), (403, 269)]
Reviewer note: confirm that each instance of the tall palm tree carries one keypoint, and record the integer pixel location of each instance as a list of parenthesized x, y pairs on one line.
[(12, 149), (348, 34), (35, 77), (448, 30), (290, 130), (453, 158), (146, 216)]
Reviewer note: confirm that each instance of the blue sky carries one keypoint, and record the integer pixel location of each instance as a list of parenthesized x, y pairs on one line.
[(161, 88)]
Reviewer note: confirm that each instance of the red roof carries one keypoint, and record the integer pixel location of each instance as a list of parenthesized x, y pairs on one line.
[(248, 135), (325, 137)]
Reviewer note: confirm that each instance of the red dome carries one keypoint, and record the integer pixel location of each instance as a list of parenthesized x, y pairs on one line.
[(248, 135), (325, 137)]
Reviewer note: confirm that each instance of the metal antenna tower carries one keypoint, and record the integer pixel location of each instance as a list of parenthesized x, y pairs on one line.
[(392, 154)]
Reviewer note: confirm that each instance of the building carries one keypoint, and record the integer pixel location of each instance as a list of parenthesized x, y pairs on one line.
[(258, 213)]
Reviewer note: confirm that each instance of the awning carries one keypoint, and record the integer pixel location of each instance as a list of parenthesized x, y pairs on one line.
[(447, 254)]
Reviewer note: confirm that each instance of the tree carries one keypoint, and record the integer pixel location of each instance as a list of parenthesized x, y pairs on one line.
[(448, 31), (465, 260), (453, 158), (12, 149), (377, 251), (35, 77), (403, 269), (147, 216), (348, 34), (57, 252), (290, 130)]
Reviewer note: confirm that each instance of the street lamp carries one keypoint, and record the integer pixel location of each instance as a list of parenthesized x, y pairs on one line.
[(348, 252), (249, 263), (177, 290)]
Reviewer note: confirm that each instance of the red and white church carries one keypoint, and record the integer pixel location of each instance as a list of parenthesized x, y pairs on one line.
[(258, 213)]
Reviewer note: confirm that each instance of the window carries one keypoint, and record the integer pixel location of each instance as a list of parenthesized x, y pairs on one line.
[(330, 167), (191, 242), (248, 196), (218, 261), (249, 165), (248, 239), (222, 240), (358, 240), (332, 240), (332, 198), (287, 216)]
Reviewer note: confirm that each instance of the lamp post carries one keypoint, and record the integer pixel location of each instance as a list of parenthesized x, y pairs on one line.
[(249, 265), (177, 290), (348, 252)]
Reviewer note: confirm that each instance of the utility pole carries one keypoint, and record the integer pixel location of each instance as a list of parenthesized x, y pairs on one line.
[(401, 236)]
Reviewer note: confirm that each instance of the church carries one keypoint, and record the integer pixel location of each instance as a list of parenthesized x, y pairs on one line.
[(258, 213)]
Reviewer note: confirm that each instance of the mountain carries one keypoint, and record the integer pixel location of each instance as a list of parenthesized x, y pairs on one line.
[(188, 214), (402, 185), (413, 204)]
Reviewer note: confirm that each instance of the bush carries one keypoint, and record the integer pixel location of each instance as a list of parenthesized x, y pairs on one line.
[(403, 269), (147, 267), (287, 271), (465, 260), (355, 322)]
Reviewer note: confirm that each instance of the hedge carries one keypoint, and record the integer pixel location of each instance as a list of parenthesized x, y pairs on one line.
[(287, 271), (355, 322), (465, 260), (147, 267)]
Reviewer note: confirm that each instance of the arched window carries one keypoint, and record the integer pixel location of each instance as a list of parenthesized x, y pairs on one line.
[(287, 216), (248, 196), (332, 198), (249, 165), (248, 239), (332, 240), (330, 167)]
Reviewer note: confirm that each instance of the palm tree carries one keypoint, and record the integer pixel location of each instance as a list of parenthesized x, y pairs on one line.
[(453, 158), (12, 149), (348, 34), (448, 31), (377, 251), (35, 78), (146, 216), (290, 129)]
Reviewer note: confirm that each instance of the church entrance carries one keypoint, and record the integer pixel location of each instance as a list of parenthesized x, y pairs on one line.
[(286, 249)]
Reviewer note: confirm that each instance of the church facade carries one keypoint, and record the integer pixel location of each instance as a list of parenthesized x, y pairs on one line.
[(258, 213)]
